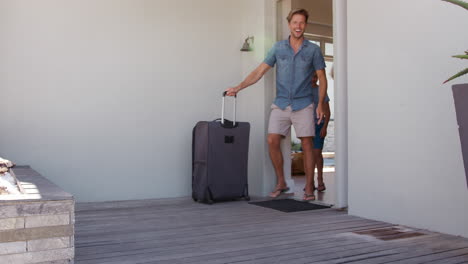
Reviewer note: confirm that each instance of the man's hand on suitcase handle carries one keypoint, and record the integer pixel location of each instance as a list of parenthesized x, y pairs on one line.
[(231, 91)]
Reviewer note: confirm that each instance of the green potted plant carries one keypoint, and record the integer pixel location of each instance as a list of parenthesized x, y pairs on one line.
[(460, 96), (465, 56)]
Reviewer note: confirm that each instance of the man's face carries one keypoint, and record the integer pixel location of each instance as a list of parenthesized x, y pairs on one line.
[(297, 25)]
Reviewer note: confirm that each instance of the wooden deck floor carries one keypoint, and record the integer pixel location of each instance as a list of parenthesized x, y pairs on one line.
[(181, 231)]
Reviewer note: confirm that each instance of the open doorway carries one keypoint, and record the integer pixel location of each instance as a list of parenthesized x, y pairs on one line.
[(320, 32)]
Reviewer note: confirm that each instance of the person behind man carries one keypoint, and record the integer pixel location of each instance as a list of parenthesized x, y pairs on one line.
[(319, 139), (297, 60)]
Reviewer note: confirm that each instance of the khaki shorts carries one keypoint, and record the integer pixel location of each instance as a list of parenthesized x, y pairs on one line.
[(302, 120)]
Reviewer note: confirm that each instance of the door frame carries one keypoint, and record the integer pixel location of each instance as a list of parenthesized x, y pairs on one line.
[(341, 104), (340, 64)]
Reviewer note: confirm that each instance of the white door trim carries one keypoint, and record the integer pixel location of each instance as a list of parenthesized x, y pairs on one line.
[(341, 101)]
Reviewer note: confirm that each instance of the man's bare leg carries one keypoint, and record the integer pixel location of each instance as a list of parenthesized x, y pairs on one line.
[(274, 148), (309, 166)]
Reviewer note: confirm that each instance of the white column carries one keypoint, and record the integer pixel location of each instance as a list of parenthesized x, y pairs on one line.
[(341, 101)]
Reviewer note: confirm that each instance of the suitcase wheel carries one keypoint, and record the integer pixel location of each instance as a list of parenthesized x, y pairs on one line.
[(247, 198), (209, 201)]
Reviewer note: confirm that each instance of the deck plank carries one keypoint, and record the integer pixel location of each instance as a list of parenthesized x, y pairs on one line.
[(181, 231)]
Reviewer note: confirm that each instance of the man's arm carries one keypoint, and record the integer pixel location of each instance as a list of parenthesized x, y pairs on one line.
[(322, 77), (252, 78), (323, 132)]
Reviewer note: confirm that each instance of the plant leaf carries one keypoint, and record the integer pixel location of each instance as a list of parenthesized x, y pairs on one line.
[(463, 72), (458, 3), (461, 56)]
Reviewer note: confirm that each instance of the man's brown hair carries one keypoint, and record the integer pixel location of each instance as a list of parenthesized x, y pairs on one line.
[(299, 11)]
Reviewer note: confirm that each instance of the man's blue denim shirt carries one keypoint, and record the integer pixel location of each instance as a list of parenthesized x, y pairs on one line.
[(294, 72)]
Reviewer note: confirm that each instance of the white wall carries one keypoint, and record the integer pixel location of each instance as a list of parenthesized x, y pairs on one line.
[(272, 31), (101, 96), (252, 101), (405, 163)]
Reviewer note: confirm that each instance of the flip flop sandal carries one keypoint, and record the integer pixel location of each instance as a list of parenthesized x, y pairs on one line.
[(321, 187), (309, 197), (281, 191)]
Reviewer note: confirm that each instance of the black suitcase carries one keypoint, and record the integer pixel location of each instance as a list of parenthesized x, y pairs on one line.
[(220, 151)]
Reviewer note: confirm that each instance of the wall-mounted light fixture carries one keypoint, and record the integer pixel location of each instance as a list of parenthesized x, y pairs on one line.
[(247, 44)]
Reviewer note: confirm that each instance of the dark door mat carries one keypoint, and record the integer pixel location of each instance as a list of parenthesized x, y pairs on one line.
[(289, 205)]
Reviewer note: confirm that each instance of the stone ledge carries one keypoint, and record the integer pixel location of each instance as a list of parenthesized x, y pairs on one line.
[(36, 226), (65, 261), (12, 247), (18, 208), (47, 220), (48, 243), (65, 254), (35, 233), (11, 223), (35, 187)]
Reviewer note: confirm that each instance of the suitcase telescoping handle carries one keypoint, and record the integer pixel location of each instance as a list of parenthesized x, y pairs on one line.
[(222, 110)]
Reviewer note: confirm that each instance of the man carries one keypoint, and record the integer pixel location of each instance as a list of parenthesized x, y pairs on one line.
[(297, 59)]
